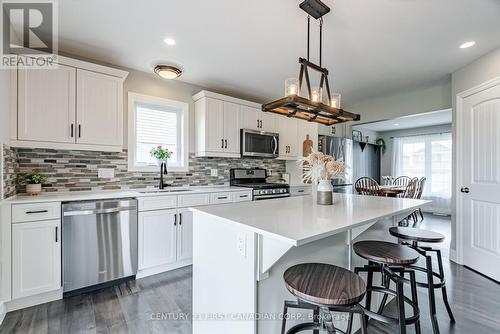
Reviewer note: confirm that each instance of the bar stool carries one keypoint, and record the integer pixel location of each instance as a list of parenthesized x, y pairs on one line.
[(390, 259), (411, 237), (323, 288)]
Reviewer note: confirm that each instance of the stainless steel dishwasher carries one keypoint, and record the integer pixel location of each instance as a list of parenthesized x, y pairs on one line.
[(99, 242)]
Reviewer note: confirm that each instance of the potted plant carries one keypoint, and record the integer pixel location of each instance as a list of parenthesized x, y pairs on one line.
[(33, 182), (321, 169), (161, 154)]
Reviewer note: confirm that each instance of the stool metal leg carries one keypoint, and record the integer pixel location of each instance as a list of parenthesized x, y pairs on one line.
[(443, 289), (401, 307), (369, 284), (432, 298), (414, 297), (327, 320), (316, 319), (283, 323)]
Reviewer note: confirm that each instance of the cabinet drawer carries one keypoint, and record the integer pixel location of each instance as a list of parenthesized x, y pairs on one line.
[(185, 201), (242, 196), (220, 198), (157, 203), (35, 211), (300, 191)]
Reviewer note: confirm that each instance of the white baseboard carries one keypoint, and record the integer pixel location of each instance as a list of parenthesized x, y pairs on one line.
[(163, 268), (453, 256), (42, 298), (3, 312)]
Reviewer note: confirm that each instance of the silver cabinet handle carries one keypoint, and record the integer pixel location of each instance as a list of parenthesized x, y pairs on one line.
[(79, 131), (72, 130), (180, 218), (243, 196), (175, 220), (222, 197)]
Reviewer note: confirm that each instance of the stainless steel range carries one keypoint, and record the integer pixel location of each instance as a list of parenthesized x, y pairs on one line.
[(256, 179)]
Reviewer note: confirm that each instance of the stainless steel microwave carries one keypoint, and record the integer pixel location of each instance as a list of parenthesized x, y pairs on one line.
[(259, 144)]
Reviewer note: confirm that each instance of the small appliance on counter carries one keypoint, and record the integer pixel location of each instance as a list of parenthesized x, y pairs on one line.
[(256, 179), (259, 144)]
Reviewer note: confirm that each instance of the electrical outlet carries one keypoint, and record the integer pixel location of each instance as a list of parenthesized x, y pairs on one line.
[(105, 173), (242, 245), (269, 172), (214, 172)]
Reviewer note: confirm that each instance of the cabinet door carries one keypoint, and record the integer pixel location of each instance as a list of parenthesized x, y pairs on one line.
[(287, 129), (214, 125), (249, 118), (36, 258), (292, 132), (99, 109), (46, 105), (268, 121), (231, 128), (157, 238), (185, 235)]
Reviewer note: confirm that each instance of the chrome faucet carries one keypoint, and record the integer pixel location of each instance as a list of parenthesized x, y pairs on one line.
[(163, 170)]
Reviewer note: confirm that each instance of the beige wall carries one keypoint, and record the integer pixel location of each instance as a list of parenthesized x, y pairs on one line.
[(479, 71), (431, 97), (151, 84)]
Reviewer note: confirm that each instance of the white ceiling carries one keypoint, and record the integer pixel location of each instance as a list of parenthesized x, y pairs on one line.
[(410, 122), (249, 47)]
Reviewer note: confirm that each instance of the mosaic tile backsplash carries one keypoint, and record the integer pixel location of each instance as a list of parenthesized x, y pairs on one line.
[(69, 170)]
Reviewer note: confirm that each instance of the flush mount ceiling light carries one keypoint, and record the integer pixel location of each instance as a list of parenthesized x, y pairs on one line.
[(168, 71), (467, 45), (169, 41), (312, 108)]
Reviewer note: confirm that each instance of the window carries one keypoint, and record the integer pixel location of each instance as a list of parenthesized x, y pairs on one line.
[(427, 156), (155, 121)]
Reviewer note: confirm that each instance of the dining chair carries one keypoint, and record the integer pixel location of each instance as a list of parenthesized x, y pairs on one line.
[(402, 181), (418, 195), (367, 186), (409, 192)]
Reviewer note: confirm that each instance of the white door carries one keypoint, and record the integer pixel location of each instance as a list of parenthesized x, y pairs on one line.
[(231, 128), (99, 109), (36, 258), (249, 118), (479, 212), (46, 105), (214, 125), (267, 121), (185, 235), (157, 238)]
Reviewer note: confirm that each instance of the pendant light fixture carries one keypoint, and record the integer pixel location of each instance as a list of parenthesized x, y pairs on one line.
[(312, 108)]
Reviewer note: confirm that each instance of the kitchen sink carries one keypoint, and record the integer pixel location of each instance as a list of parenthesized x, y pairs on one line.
[(164, 191)]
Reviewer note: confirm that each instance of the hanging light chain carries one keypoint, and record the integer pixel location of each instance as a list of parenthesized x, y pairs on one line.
[(321, 42)]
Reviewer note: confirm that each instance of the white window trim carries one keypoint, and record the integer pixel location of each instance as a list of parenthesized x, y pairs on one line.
[(133, 98)]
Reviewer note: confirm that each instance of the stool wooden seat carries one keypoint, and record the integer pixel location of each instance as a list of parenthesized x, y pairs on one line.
[(324, 284), (385, 252), (416, 234)]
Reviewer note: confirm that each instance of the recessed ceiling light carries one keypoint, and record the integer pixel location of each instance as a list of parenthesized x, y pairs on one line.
[(467, 45), (168, 72), (396, 124), (169, 41)]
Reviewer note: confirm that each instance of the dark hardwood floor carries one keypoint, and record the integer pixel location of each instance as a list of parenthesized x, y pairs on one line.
[(152, 305)]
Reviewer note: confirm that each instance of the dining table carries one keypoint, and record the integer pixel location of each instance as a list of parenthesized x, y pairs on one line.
[(391, 190)]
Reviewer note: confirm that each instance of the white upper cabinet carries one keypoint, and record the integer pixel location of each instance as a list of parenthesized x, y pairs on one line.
[(99, 109), (287, 130), (77, 105), (254, 119), (46, 105), (217, 125)]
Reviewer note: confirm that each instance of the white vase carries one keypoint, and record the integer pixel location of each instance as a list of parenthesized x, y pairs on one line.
[(33, 189), (325, 192)]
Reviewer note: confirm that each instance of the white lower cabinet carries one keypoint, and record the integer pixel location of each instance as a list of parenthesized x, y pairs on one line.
[(36, 257), (185, 235), (157, 238)]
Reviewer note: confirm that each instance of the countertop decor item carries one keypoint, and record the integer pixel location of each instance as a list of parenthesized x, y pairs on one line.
[(314, 108), (161, 154), (33, 182), (321, 169)]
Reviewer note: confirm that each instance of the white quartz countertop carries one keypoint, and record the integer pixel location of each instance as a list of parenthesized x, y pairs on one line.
[(110, 194), (296, 220)]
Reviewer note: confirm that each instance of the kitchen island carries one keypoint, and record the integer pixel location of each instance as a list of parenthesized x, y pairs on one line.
[(241, 252)]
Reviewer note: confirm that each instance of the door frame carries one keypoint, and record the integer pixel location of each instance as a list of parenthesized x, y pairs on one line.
[(459, 140)]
